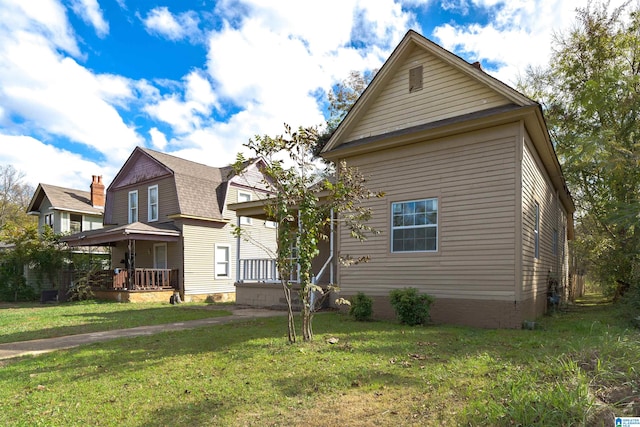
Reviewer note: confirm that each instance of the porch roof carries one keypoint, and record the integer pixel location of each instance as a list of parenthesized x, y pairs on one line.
[(256, 208), (164, 232)]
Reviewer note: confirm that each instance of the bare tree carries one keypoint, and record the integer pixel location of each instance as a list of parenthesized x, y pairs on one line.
[(15, 195)]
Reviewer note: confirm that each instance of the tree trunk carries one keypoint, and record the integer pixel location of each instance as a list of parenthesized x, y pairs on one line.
[(307, 330), (291, 326)]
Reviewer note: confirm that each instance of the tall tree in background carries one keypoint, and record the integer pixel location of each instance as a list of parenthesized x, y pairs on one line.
[(341, 98), (591, 97), (15, 195)]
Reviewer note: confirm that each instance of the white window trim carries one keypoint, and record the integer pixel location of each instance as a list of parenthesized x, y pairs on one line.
[(270, 224), (243, 219), (227, 262), (436, 226), (156, 245), (149, 210), (137, 206)]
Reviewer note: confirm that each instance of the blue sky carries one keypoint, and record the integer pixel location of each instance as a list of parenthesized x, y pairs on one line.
[(83, 82)]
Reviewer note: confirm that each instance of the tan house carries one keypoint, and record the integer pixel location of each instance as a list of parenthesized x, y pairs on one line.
[(477, 212), (169, 229)]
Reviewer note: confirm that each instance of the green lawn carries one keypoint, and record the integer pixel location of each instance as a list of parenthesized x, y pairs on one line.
[(579, 368), (28, 321)]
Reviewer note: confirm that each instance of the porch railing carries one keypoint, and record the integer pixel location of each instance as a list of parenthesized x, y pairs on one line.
[(143, 279), (260, 270)]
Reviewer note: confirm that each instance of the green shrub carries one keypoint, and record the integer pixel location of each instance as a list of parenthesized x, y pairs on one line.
[(411, 307), (361, 307)]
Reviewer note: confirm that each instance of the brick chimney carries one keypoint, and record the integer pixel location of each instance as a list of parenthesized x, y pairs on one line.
[(97, 192)]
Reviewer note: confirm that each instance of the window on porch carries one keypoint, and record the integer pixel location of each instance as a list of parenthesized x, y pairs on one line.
[(160, 255)]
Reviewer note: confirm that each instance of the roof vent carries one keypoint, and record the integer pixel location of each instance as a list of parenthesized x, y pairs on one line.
[(415, 79), (477, 65)]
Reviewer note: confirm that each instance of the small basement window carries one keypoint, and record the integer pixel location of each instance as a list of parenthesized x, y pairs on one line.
[(415, 79)]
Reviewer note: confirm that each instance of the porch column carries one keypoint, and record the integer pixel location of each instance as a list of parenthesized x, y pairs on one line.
[(129, 262), (331, 243), (238, 239)]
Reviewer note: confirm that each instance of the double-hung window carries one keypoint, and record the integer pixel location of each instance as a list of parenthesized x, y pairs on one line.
[(133, 206), (222, 264), (244, 197), (414, 226), (153, 203)]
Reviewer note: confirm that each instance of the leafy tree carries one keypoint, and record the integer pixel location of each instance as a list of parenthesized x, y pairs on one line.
[(341, 98), (591, 98), (14, 198), (42, 252), (302, 206), (344, 94)]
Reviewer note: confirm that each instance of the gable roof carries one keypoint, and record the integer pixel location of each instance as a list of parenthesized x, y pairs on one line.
[(63, 199), (514, 106), (411, 41)]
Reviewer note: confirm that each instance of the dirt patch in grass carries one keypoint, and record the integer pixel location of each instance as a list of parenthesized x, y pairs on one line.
[(368, 408)]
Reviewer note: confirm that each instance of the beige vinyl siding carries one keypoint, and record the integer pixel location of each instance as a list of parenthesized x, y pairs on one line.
[(537, 188), (199, 263), (446, 93), (167, 201), (473, 178), (200, 239)]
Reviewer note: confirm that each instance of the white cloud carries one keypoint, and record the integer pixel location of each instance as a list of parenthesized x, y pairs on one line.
[(270, 61), (519, 34), (46, 17), (44, 163), (90, 12), (158, 139), (59, 96), (187, 112), (174, 27), (52, 94)]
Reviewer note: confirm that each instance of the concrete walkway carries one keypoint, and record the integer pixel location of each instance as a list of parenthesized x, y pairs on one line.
[(17, 349)]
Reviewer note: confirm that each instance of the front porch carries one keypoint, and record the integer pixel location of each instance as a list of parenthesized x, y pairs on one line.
[(258, 283), (145, 261)]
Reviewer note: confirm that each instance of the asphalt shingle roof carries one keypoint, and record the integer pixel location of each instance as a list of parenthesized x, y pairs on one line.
[(62, 198), (201, 189)]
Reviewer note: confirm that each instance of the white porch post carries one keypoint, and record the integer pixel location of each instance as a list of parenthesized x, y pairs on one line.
[(331, 242), (238, 239)]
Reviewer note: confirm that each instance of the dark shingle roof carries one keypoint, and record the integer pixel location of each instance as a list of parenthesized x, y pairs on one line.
[(201, 189)]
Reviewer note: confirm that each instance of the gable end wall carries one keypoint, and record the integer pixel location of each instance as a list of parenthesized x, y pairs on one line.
[(446, 93)]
